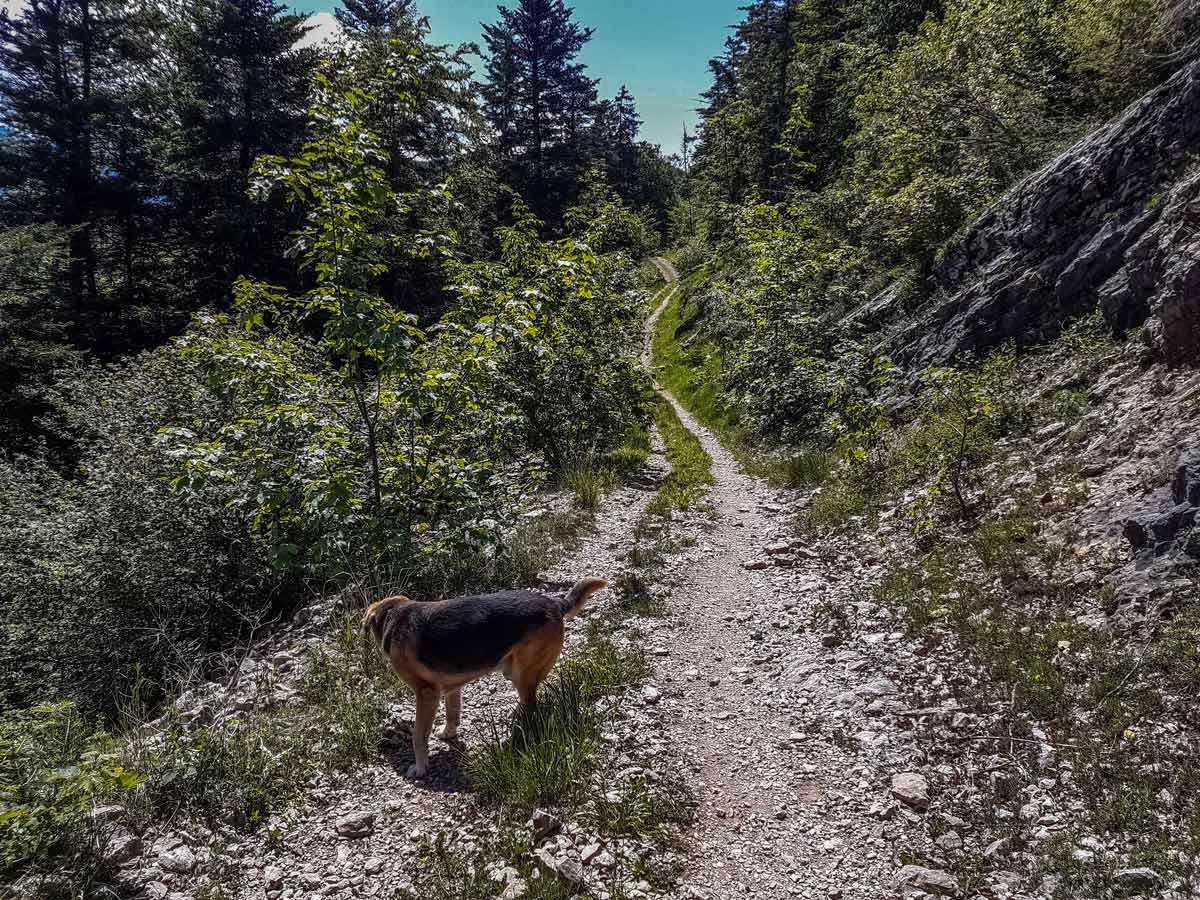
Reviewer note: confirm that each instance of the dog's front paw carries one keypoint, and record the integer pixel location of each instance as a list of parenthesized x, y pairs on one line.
[(448, 734), (416, 771)]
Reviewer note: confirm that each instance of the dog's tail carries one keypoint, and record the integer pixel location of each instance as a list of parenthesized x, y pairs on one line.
[(577, 596)]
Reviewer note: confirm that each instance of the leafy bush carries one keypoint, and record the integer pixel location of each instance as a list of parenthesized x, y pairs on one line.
[(115, 568), (799, 274), (603, 221), (553, 327), (960, 414), (54, 773)]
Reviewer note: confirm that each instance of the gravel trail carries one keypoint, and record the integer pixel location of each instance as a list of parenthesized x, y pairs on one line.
[(791, 805)]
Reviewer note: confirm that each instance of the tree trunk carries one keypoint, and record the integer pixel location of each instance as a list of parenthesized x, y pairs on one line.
[(535, 92)]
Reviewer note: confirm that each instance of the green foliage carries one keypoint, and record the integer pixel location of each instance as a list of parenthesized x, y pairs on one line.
[(690, 362), (904, 120), (352, 446), (54, 772), (539, 99), (963, 107), (961, 413), (553, 326), (601, 218), (588, 482), (691, 468), (798, 273), (114, 568), (32, 261)]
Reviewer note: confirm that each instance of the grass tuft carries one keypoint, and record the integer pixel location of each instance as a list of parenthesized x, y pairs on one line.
[(549, 754), (691, 468)]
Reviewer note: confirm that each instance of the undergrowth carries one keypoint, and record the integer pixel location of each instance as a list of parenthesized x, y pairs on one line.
[(55, 770), (549, 754), (690, 365)]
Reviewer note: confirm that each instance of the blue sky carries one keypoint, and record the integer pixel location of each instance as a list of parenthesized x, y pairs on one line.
[(659, 48)]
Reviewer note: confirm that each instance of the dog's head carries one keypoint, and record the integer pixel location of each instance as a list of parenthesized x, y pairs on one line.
[(378, 618)]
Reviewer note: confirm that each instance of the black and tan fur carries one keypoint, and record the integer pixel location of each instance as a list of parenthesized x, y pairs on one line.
[(439, 647)]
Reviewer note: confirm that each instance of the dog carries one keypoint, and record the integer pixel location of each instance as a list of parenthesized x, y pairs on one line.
[(438, 647)]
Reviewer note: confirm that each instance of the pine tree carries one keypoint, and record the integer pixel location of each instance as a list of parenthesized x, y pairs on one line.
[(359, 17), (616, 128), (68, 69), (241, 90), (540, 100)]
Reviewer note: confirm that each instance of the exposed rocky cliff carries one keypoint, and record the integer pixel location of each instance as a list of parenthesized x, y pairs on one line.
[(1113, 224)]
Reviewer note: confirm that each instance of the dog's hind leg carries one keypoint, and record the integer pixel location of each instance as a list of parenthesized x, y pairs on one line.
[(453, 714), (537, 659), (427, 703)]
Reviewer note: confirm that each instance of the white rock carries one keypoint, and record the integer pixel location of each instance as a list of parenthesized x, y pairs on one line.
[(912, 789), (181, 860), (272, 878), (930, 881), (122, 846), (357, 824)]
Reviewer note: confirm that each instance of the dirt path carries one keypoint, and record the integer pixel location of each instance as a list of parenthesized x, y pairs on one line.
[(791, 779)]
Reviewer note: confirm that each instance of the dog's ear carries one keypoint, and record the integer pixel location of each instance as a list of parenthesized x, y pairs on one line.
[(376, 618)]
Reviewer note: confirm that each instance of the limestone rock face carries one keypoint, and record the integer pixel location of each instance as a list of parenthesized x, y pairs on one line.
[(1112, 224)]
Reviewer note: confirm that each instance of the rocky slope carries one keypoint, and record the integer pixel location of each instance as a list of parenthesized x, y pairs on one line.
[(1111, 223), (1112, 226)]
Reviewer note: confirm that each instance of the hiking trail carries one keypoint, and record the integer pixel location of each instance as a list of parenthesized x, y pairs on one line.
[(777, 735), (764, 712)]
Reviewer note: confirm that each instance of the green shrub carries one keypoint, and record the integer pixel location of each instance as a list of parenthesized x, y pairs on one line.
[(960, 414), (115, 568), (589, 482), (54, 772)]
